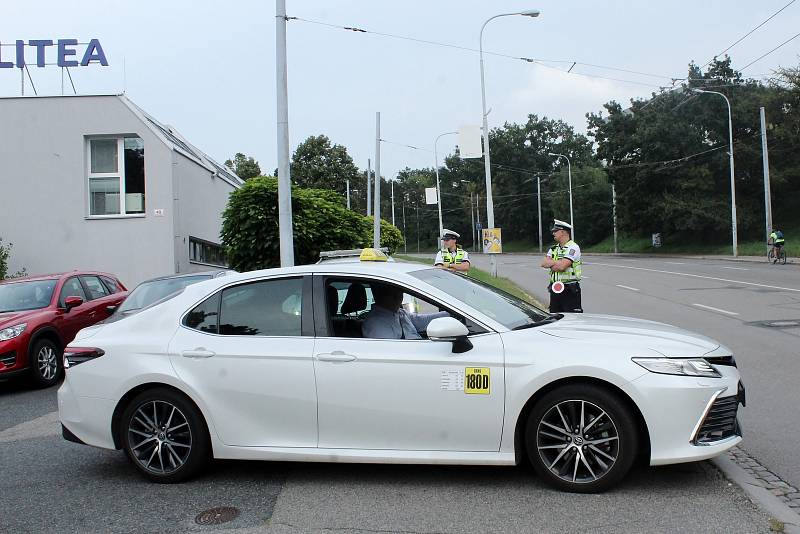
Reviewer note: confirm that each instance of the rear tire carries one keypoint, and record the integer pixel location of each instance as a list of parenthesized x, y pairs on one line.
[(164, 436), (581, 438), (46, 363), (783, 256)]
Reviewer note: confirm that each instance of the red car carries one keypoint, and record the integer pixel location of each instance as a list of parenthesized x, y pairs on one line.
[(39, 315)]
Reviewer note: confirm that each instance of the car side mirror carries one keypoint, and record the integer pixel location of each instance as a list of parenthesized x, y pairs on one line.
[(111, 309), (72, 302), (450, 329)]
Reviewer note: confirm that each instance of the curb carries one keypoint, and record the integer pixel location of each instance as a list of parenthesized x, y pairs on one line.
[(762, 497)]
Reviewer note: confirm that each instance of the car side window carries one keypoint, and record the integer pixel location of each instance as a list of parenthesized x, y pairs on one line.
[(205, 316), (264, 308), (111, 284), (71, 288), (349, 303), (95, 287)]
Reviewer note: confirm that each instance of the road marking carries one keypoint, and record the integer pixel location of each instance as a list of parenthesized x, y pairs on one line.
[(697, 276), (735, 268), (627, 287), (46, 425), (712, 308)]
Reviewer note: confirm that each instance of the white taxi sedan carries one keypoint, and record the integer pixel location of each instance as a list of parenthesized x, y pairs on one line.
[(274, 365)]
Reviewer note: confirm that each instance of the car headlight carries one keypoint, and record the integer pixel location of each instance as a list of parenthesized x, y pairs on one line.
[(678, 366), (12, 331)]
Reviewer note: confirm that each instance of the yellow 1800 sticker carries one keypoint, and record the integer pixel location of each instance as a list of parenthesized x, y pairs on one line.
[(477, 380)]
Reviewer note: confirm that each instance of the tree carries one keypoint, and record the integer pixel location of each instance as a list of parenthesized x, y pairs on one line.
[(244, 167), (321, 222), (318, 164), (668, 156), (5, 253)]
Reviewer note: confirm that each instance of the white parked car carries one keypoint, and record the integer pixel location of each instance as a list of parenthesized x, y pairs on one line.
[(273, 365)]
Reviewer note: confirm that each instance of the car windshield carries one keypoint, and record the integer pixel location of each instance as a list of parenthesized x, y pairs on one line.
[(147, 293), (32, 295), (506, 309)]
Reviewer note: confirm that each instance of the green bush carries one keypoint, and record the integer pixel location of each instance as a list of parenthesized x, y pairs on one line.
[(321, 222)]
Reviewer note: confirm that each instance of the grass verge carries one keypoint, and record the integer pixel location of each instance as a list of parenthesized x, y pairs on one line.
[(484, 276)]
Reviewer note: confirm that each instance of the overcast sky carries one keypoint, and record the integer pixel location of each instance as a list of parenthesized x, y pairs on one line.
[(209, 70)]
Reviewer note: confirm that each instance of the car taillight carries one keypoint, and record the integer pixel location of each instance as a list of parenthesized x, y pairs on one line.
[(75, 355)]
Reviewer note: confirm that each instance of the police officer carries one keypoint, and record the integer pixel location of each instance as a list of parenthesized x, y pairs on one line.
[(563, 260), (452, 256)]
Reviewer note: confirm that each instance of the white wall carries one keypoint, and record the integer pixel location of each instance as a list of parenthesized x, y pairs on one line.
[(44, 190)]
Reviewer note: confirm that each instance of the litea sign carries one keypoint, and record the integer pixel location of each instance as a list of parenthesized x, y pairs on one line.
[(66, 53)]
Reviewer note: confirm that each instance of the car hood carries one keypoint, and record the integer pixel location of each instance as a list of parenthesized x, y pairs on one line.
[(12, 318), (637, 335)]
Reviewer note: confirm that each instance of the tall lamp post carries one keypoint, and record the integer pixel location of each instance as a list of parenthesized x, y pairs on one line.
[(487, 159), (569, 175), (438, 188), (733, 183), (284, 180)]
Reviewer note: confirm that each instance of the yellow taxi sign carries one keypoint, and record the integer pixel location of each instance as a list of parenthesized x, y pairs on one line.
[(373, 254)]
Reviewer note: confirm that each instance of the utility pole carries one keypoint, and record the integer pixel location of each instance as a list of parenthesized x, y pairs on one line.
[(393, 203), (417, 226), (614, 212), (767, 193), (348, 193), (478, 214), (284, 178), (369, 190), (376, 228), (539, 207), (472, 217), (405, 239)]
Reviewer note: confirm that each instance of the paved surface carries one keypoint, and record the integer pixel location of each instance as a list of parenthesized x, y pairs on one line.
[(729, 301), (53, 486)]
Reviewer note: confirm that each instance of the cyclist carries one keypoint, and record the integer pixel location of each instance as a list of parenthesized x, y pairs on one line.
[(777, 241)]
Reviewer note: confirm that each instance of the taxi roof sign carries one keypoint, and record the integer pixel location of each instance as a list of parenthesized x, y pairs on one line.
[(373, 254)]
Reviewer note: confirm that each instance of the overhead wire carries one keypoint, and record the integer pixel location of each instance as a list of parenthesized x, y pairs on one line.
[(759, 58), (745, 36), (538, 61)]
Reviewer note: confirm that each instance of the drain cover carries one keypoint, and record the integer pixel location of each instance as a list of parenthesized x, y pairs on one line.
[(218, 515)]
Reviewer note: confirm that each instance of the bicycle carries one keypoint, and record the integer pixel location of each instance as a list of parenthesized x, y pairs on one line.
[(781, 255)]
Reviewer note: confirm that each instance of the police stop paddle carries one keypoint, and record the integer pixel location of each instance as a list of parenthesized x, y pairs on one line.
[(557, 287)]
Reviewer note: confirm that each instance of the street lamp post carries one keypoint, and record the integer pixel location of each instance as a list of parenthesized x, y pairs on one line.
[(438, 188), (733, 183), (569, 174), (487, 158), (285, 233)]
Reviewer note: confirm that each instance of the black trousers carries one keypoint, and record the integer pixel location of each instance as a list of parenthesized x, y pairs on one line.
[(568, 301)]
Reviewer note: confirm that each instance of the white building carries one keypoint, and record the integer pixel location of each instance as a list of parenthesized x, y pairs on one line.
[(94, 182)]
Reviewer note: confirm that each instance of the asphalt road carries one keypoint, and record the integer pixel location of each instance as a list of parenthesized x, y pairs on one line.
[(732, 302), (51, 485)]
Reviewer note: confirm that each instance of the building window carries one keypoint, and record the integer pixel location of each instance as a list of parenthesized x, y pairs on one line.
[(201, 251), (116, 176)]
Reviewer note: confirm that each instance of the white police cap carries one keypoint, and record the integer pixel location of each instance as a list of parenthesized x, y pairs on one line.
[(561, 225), (449, 234)]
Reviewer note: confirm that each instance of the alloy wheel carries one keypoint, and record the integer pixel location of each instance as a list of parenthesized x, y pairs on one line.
[(47, 362), (577, 441), (159, 437)]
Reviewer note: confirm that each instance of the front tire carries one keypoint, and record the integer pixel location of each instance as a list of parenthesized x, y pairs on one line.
[(581, 438), (45, 360), (164, 436)]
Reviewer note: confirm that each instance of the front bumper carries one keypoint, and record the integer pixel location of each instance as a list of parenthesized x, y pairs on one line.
[(679, 414)]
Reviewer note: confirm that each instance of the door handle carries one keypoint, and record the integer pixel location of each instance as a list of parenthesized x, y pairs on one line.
[(198, 353), (335, 356)]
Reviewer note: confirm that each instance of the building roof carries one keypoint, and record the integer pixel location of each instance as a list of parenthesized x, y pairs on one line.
[(169, 135)]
